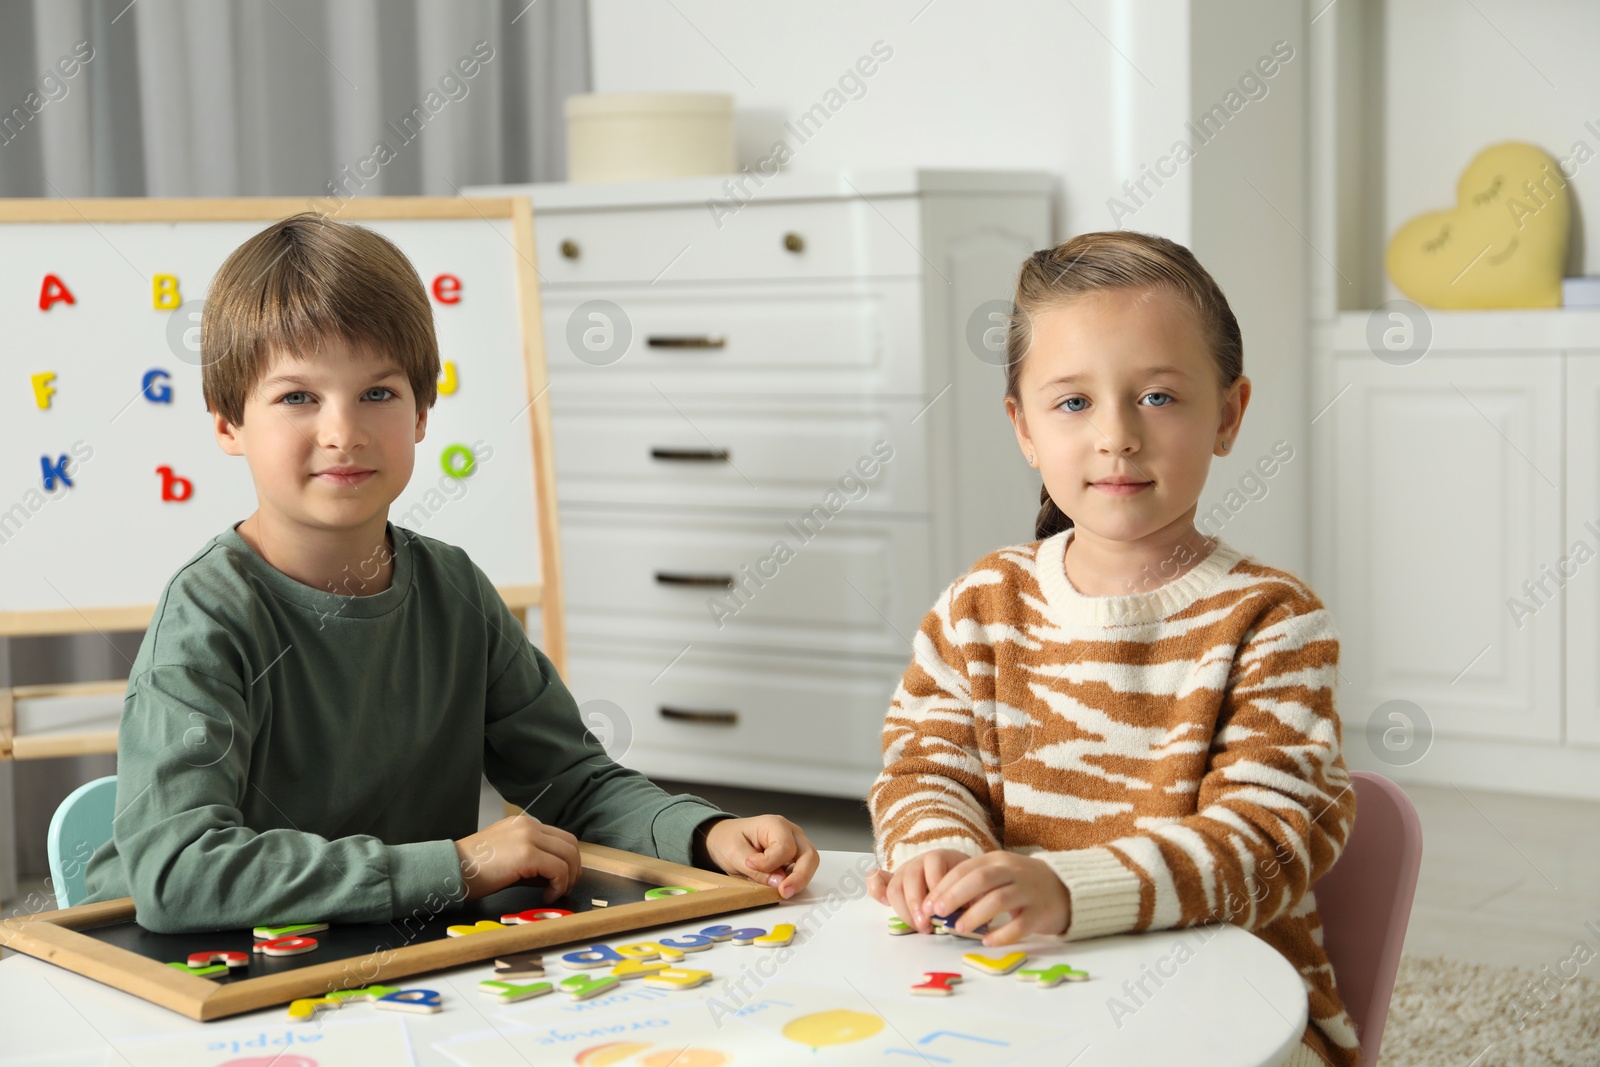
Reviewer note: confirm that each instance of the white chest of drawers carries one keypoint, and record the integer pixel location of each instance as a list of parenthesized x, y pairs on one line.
[(779, 433)]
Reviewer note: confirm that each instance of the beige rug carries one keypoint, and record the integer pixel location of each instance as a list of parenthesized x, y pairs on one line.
[(1446, 1013)]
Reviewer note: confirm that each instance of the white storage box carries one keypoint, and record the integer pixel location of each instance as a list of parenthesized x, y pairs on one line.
[(624, 137)]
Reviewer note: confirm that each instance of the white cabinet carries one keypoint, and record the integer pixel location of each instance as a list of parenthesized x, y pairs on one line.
[(1447, 499), (1459, 504), (1580, 567), (777, 437)]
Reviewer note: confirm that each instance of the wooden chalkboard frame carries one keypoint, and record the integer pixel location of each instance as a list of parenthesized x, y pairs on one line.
[(53, 936)]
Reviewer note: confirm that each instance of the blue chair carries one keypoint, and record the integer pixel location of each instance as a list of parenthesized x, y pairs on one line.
[(80, 825)]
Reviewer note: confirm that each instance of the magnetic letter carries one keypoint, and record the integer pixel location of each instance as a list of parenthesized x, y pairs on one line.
[(175, 488), (53, 471), (54, 291), (156, 389), (164, 291), (447, 289), (42, 389)]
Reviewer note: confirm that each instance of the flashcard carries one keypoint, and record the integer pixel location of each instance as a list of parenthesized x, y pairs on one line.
[(840, 1026)]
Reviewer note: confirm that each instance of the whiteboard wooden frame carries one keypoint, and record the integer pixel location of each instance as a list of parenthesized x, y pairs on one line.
[(546, 595), (53, 936)]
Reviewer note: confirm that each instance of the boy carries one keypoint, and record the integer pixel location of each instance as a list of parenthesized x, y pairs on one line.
[(301, 745)]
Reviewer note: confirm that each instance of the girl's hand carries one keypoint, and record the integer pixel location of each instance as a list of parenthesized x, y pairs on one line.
[(998, 882), (767, 849), (906, 889)]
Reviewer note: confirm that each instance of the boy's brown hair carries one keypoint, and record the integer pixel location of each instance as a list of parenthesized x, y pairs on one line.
[(302, 280)]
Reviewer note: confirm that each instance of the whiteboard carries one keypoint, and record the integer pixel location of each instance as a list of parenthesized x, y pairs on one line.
[(97, 553)]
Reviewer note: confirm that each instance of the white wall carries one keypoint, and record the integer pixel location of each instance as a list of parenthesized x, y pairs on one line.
[(1092, 92)]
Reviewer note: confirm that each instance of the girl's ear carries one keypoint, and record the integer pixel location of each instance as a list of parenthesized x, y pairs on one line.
[(422, 425), (1019, 424), (1233, 405)]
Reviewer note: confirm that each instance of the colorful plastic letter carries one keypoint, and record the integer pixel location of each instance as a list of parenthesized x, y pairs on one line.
[(584, 986), (781, 935), (636, 968), (508, 993), (591, 957), (937, 984), (199, 972), (229, 960), (747, 935), (1049, 976), (177, 488), (447, 380), (676, 978), (458, 461), (42, 389), (995, 964), (54, 291), (303, 1011), (155, 387), (366, 992), (164, 291), (648, 950), (267, 933), (666, 891), (422, 1001), (718, 933), (287, 946), (54, 472), (520, 965), (481, 926), (686, 943), (898, 927), (447, 289), (533, 915)]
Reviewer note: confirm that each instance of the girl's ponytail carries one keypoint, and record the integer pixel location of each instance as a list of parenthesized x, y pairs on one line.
[(1052, 520), (1115, 259)]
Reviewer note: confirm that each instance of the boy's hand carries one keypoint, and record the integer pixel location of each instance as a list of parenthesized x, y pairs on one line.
[(768, 849), (515, 848), (998, 882)]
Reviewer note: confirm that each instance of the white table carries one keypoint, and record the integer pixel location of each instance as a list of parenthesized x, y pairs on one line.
[(1223, 998)]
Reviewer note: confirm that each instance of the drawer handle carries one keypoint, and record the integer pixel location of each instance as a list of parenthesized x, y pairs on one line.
[(694, 455), (794, 242), (660, 340), (569, 248), (707, 718), (721, 581)]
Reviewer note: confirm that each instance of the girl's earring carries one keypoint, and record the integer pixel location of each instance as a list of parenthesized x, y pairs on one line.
[(1030, 459), (1224, 446)]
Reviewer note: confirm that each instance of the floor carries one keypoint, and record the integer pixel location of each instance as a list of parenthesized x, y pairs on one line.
[(1506, 879)]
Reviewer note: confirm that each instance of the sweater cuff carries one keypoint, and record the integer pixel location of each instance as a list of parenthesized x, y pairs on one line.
[(1104, 892), (424, 874), (672, 830), (904, 851)]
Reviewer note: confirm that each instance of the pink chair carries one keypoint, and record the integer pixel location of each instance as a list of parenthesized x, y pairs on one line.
[(1365, 902)]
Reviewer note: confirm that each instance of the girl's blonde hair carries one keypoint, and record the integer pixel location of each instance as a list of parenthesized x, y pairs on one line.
[(1116, 259)]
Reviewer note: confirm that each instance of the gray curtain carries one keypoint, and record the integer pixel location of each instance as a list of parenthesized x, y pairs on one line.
[(258, 98)]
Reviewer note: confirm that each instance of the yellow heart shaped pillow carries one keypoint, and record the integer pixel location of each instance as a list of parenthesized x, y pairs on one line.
[(1503, 245)]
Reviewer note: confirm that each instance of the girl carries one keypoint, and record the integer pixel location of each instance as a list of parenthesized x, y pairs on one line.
[(1124, 725)]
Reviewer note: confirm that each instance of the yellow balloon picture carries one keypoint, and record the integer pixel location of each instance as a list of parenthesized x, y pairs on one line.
[(838, 1027), (1504, 244)]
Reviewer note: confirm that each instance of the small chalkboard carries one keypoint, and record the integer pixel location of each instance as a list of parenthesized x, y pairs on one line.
[(102, 941)]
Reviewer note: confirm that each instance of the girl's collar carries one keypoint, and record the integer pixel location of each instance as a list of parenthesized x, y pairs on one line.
[(1074, 608)]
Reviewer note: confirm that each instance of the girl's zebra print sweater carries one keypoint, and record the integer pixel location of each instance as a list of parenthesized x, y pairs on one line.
[(1173, 756)]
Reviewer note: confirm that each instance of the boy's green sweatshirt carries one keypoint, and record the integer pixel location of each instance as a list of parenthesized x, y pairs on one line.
[(292, 755)]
